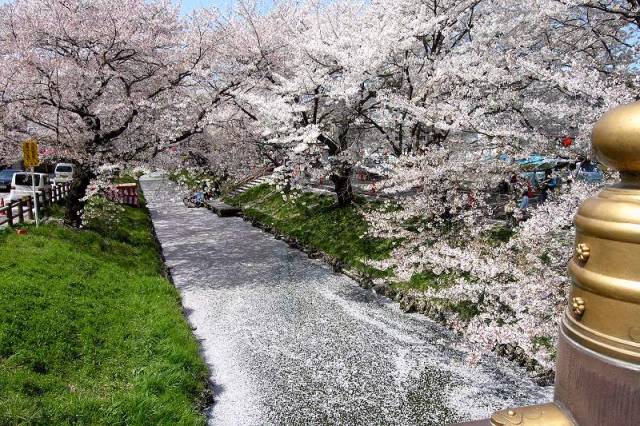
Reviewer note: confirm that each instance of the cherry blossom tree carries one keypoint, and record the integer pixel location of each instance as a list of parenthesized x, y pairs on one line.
[(625, 10), (98, 80), (114, 82), (308, 105), (521, 76), (362, 78)]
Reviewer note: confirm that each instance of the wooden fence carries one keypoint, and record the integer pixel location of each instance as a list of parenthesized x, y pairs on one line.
[(15, 212)]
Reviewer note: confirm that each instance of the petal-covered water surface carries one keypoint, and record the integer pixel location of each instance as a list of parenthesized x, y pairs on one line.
[(291, 342)]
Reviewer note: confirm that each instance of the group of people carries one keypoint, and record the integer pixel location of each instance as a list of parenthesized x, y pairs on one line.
[(533, 189), (542, 188)]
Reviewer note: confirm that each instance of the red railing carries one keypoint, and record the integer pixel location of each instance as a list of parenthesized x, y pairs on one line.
[(125, 193)]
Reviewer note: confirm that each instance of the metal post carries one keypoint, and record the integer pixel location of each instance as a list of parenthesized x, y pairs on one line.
[(35, 197), (598, 363), (598, 369)]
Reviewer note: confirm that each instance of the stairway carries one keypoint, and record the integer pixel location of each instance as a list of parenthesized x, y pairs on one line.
[(248, 185)]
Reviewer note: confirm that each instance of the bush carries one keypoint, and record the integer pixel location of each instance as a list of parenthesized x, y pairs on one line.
[(101, 215)]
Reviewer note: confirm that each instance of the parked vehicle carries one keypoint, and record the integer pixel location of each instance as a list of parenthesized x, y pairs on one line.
[(6, 176), (63, 173), (21, 185)]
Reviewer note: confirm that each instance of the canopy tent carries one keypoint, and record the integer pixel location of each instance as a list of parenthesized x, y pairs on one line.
[(538, 162)]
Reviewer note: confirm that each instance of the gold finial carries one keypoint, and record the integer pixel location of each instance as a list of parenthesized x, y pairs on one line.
[(616, 138), (537, 415), (605, 269)]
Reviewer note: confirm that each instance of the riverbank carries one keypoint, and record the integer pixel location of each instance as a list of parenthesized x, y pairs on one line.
[(289, 341), (313, 223), (92, 331)]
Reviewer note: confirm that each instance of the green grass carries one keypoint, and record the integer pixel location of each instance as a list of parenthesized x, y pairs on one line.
[(56, 210), (91, 332), (499, 235), (546, 342), (420, 281), (318, 222), (126, 178), (466, 309)]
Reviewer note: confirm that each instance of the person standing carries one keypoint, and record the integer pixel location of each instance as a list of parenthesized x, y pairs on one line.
[(524, 201), (544, 187)]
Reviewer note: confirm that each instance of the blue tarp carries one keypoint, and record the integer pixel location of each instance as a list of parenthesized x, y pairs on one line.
[(533, 161)]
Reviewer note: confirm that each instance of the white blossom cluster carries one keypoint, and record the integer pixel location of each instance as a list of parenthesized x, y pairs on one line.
[(103, 181), (518, 287)]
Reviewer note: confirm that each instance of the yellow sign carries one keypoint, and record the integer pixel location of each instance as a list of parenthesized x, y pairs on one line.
[(30, 153)]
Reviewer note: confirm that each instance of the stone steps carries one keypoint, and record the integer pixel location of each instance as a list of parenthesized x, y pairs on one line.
[(222, 209), (247, 186)]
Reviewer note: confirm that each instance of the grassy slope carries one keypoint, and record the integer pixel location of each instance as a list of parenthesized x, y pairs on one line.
[(91, 331), (316, 222)]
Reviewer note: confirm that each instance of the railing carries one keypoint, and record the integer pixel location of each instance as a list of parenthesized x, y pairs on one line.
[(125, 193), (14, 212)]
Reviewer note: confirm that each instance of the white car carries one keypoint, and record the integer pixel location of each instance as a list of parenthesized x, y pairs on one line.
[(63, 173), (21, 185)]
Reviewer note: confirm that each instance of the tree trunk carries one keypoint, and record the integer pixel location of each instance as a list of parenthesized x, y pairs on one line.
[(342, 170), (77, 191), (343, 188)]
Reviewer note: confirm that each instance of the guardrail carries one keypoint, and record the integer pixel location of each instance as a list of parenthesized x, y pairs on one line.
[(25, 207)]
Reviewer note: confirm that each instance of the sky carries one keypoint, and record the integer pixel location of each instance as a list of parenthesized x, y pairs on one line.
[(189, 5)]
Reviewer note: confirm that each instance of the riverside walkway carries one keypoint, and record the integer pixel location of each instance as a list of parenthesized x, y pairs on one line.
[(289, 342)]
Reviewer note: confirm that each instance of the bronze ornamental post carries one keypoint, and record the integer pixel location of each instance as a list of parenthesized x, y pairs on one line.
[(598, 366)]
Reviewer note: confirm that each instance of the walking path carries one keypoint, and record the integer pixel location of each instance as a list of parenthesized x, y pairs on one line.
[(289, 342)]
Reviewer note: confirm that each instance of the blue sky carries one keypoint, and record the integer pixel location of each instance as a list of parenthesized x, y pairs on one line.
[(189, 5)]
